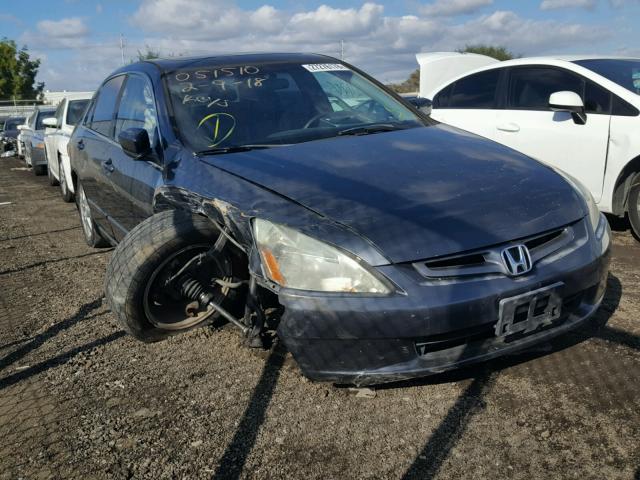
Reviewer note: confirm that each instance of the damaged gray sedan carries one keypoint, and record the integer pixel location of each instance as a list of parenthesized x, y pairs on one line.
[(293, 195)]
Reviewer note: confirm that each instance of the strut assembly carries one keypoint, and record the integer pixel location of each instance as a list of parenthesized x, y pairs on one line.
[(251, 324)]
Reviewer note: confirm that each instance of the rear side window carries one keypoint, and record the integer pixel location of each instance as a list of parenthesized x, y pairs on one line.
[(75, 111), (596, 99), (137, 107), (102, 118), (623, 108), (477, 91), (530, 88)]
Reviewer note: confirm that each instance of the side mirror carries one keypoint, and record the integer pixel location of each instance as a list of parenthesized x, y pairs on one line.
[(569, 102), (22, 127), (50, 122), (423, 104), (135, 142)]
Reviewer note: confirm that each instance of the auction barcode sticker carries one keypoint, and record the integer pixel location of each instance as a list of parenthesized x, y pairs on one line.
[(325, 67)]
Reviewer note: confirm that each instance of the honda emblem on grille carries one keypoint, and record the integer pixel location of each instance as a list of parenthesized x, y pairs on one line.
[(517, 260)]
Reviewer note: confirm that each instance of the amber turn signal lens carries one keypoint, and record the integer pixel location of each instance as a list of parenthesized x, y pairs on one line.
[(272, 266)]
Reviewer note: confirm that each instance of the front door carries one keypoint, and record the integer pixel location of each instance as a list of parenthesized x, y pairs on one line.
[(529, 126), (134, 180)]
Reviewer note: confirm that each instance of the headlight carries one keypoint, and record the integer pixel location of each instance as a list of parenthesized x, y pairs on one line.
[(294, 260), (594, 211)]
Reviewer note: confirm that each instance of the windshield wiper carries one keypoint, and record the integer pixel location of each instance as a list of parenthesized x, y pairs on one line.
[(238, 148), (369, 129)]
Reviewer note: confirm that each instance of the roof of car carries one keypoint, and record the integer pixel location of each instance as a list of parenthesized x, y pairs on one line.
[(247, 58)]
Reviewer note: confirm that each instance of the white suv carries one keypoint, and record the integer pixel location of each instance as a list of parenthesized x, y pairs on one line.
[(56, 137), (579, 114)]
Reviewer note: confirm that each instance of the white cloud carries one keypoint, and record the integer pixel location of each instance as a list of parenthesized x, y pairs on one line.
[(526, 36), (375, 40), (557, 4), (447, 8), (335, 21), (72, 27)]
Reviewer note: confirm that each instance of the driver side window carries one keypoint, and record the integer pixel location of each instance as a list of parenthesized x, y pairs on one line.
[(137, 108)]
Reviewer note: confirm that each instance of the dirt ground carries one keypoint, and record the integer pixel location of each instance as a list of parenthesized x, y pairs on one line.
[(79, 399)]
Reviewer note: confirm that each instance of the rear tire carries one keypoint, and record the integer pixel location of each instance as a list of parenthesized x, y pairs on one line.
[(39, 170), (634, 206), (91, 233), (141, 261), (67, 196)]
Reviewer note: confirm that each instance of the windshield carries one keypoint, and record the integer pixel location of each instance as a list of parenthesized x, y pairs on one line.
[(224, 106), (12, 123), (75, 111), (625, 73)]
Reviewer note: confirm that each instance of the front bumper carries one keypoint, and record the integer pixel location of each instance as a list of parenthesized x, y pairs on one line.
[(370, 340)]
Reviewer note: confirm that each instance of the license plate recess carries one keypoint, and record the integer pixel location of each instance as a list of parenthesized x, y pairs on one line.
[(526, 312)]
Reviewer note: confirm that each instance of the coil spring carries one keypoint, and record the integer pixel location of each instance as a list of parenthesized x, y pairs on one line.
[(191, 289)]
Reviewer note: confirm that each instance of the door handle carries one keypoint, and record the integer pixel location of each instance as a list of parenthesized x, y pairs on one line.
[(80, 144), (108, 165), (509, 127)]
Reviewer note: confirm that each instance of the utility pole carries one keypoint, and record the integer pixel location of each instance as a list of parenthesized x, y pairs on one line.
[(122, 47)]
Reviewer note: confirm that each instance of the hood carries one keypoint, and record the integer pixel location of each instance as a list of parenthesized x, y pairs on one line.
[(416, 193)]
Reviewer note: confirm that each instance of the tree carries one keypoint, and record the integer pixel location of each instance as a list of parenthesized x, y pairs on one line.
[(18, 73), (411, 84), (148, 54), (497, 52)]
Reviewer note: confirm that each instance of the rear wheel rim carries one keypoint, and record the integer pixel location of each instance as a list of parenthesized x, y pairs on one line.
[(85, 214)]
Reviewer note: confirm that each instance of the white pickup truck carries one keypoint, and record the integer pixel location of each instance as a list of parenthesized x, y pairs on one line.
[(56, 137), (578, 114)]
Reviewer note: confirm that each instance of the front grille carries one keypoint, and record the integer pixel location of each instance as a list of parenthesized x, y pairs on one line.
[(488, 261)]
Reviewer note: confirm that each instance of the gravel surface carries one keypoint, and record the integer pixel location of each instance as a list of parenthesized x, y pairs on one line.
[(80, 399)]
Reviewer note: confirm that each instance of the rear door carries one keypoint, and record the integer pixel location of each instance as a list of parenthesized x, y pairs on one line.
[(527, 123), (134, 180), (470, 103), (95, 145)]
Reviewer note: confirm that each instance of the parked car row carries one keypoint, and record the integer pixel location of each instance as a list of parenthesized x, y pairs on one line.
[(31, 139), (292, 194), (578, 114), (43, 139), (9, 133)]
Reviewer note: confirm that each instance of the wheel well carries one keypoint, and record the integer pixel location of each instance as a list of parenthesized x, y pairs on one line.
[(623, 184), (74, 179)]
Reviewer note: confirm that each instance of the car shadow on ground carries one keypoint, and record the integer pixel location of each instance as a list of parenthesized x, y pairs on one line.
[(57, 360), (39, 339), (439, 445), (48, 262), (236, 454)]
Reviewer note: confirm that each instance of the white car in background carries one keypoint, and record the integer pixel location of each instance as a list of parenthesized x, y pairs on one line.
[(57, 133), (21, 138), (578, 114)]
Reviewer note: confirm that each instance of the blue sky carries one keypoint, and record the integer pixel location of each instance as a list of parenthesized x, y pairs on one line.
[(78, 40)]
